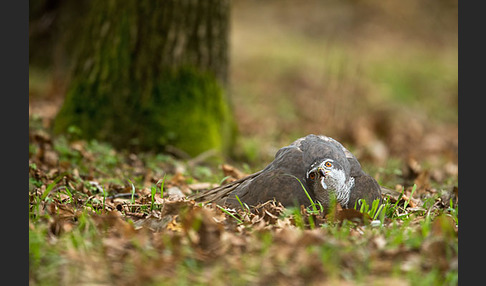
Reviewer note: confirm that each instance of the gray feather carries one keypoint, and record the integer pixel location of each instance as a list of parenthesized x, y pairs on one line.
[(284, 178)]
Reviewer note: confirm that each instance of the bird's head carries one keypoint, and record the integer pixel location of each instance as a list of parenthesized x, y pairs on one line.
[(328, 177)]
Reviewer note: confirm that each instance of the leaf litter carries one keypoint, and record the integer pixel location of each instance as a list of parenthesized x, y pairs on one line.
[(124, 233)]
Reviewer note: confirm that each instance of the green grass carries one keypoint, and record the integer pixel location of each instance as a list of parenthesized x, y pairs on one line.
[(75, 227), (73, 230)]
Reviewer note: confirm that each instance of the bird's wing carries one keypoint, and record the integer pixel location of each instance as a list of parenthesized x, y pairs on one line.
[(283, 180), (365, 187)]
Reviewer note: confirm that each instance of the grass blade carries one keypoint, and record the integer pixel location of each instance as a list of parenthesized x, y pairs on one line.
[(51, 186), (411, 195), (153, 191), (161, 186), (105, 194), (378, 212), (224, 179), (230, 214), (133, 192), (243, 206), (313, 205)]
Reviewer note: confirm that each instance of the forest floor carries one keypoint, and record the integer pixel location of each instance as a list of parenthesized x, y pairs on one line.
[(82, 231)]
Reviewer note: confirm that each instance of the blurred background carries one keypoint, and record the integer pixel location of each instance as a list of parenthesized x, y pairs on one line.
[(379, 76)]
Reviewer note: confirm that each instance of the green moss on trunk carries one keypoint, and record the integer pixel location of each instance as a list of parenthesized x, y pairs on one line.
[(203, 120), (186, 109)]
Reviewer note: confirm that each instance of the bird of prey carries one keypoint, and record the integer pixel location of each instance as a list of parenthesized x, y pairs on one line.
[(320, 164)]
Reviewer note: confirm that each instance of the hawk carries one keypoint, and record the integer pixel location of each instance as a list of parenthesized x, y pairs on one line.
[(318, 163)]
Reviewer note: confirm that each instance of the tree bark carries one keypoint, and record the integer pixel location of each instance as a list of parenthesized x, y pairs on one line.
[(150, 74)]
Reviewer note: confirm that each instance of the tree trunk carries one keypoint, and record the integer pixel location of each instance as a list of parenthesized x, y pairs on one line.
[(151, 74)]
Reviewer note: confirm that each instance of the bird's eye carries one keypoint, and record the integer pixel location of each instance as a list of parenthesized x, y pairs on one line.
[(312, 175), (328, 164)]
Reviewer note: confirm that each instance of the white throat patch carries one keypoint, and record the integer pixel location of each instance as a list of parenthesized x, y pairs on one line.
[(339, 186)]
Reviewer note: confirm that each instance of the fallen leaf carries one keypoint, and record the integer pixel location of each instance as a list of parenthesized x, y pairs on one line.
[(229, 170), (444, 225), (51, 158), (352, 215), (178, 179), (201, 186), (156, 224), (174, 193)]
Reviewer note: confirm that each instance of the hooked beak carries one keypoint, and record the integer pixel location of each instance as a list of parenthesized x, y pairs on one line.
[(322, 171)]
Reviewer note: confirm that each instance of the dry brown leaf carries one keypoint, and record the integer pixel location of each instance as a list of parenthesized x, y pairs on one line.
[(174, 193), (229, 170), (51, 158), (174, 225), (201, 186), (444, 225), (203, 231), (437, 252), (312, 237), (379, 242), (177, 179), (58, 226), (176, 207), (155, 223), (352, 215), (413, 167), (411, 202)]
